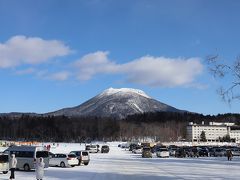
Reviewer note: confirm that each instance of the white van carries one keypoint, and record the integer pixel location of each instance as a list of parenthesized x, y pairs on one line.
[(27, 155), (92, 148), (4, 163), (162, 152), (83, 157)]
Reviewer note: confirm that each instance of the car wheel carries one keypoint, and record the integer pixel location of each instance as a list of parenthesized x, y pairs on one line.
[(5, 172), (62, 164), (72, 165), (86, 163), (26, 167)]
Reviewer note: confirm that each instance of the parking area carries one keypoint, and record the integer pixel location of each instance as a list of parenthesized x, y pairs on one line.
[(121, 164)]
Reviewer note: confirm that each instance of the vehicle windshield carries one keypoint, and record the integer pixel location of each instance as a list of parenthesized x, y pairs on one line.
[(42, 154), (146, 149), (85, 153), (72, 155), (77, 153), (163, 149)]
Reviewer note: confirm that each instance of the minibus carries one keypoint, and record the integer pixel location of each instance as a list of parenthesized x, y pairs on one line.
[(27, 155)]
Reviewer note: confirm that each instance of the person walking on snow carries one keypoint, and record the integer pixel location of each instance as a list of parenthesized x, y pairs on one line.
[(229, 154), (13, 165), (40, 169)]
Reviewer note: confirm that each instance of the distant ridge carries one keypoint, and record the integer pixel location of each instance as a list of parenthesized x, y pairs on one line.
[(18, 114)]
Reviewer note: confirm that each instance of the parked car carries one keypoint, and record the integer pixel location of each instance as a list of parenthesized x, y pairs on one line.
[(188, 151), (219, 152), (180, 152), (63, 160), (146, 152), (153, 149), (4, 163), (235, 151), (83, 157), (172, 151), (125, 145), (192, 151), (211, 151), (87, 147), (137, 150), (162, 152), (105, 149), (203, 152), (92, 148), (132, 146)]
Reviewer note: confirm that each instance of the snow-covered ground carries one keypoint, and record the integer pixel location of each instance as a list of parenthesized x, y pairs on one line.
[(119, 164)]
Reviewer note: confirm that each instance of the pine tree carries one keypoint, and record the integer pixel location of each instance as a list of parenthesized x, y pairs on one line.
[(203, 136)]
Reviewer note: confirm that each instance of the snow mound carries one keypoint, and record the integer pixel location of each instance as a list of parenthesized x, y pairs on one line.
[(112, 91)]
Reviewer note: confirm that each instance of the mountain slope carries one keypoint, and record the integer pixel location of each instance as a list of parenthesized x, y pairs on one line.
[(117, 103)]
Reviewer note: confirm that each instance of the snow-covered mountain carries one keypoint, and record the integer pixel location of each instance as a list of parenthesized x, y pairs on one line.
[(117, 103)]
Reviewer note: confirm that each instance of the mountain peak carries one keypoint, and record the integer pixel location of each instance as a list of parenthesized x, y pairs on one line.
[(112, 91), (118, 103)]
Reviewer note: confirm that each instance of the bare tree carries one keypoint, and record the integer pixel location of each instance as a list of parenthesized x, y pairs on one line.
[(222, 70)]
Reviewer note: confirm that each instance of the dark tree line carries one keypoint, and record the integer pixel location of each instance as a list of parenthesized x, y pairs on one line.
[(60, 128), (163, 126), (167, 126)]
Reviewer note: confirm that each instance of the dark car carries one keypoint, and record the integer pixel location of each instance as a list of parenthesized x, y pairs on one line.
[(180, 152), (87, 147), (211, 151), (132, 146), (192, 152), (203, 152), (188, 151), (105, 149)]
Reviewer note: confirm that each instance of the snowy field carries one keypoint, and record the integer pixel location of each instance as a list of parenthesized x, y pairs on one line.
[(119, 164)]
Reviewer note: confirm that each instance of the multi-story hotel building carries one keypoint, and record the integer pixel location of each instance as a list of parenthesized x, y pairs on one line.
[(213, 131)]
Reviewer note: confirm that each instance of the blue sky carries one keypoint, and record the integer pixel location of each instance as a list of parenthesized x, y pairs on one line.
[(58, 53)]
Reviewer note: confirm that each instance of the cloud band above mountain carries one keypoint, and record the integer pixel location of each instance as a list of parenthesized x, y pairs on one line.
[(20, 51), (147, 70)]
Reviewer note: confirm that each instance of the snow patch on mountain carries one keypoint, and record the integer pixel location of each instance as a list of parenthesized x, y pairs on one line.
[(112, 91)]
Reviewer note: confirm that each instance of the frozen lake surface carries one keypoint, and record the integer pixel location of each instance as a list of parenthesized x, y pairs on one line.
[(119, 164)]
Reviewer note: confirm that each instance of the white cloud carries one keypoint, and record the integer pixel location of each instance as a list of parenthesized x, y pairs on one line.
[(147, 70), (20, 50), (95, 63), (161, 71)]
